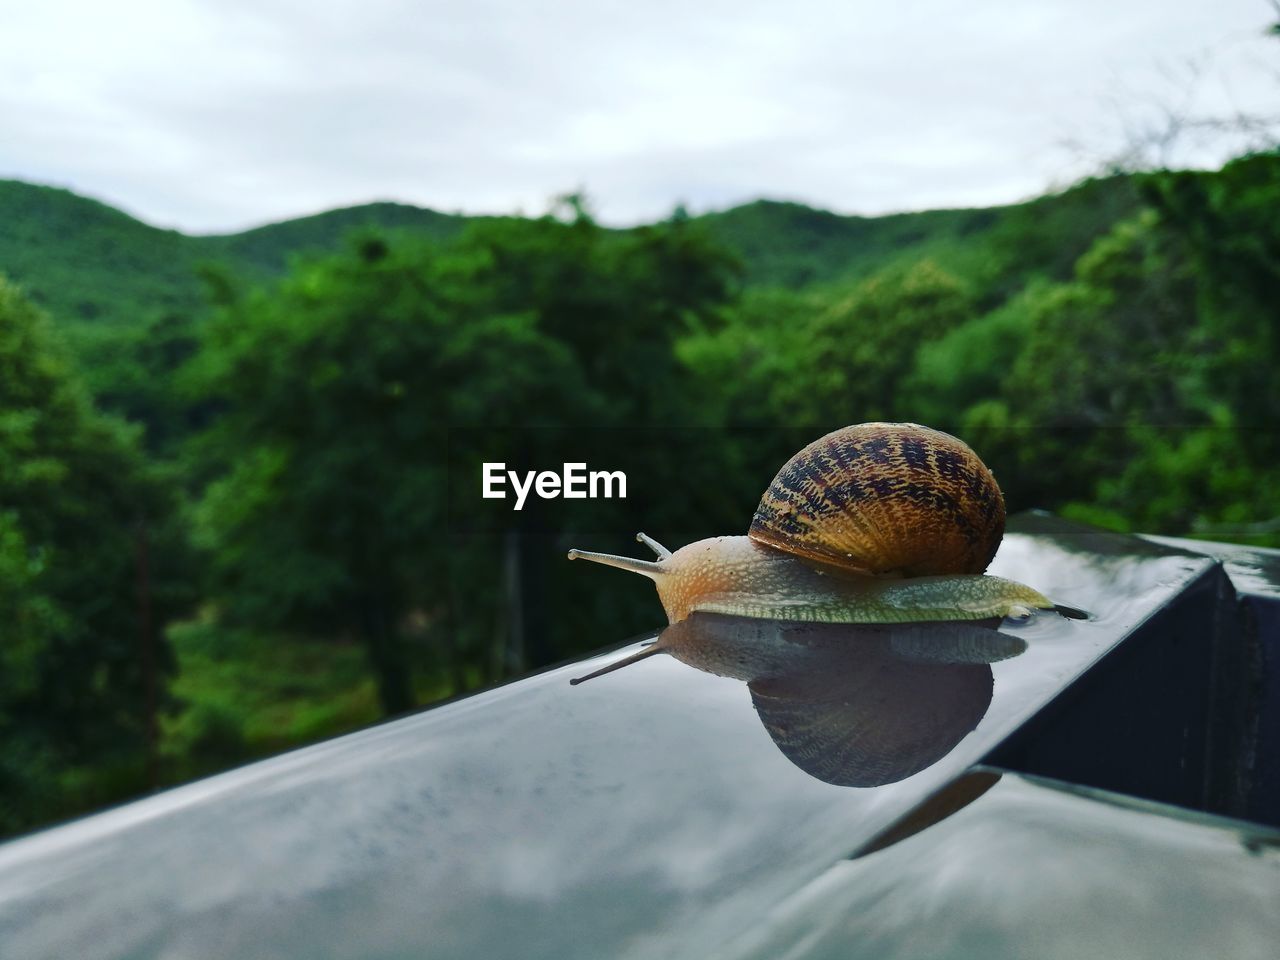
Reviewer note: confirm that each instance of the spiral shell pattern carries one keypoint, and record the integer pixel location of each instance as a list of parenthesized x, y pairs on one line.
[(885, 499)]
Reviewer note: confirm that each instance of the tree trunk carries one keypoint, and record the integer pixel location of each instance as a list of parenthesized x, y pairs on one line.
[(386, 658)]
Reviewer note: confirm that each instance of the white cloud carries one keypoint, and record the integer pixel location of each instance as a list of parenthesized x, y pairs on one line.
[(219, 114)]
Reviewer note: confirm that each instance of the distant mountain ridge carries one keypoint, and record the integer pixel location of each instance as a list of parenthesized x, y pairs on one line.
[(89, 263)]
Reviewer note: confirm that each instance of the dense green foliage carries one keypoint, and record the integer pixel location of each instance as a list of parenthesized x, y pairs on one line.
[(317, 398), (83, 521)]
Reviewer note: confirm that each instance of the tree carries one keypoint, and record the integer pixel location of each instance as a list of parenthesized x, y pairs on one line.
[(830, 357), (1226, 221), (326, 511), (80, 677), (359, 388), (1139, 394)]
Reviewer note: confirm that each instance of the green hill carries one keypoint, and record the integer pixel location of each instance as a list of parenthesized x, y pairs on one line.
[(791, 245), (84, 261), (269, 248), (89, 264)]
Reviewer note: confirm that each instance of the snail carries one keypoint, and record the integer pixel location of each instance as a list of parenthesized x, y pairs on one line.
[(872, 523)]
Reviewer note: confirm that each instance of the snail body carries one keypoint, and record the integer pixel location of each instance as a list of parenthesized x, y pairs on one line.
[(739, 576), (873, 523)]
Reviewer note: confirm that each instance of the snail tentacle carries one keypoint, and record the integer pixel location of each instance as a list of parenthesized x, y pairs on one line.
[(647, 568), (662, 552)]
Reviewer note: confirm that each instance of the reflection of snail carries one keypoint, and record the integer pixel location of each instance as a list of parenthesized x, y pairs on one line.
[(874, 523), (854, 705)]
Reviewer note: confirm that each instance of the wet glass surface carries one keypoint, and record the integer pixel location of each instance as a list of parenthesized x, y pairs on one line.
[(1253, 570), (1036, 869), (656, 804)]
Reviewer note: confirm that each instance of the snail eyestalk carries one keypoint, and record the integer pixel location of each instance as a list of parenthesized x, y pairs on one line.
[(662, 552), (647, 568)]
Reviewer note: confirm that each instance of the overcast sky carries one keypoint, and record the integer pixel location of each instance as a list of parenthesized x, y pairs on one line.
[(214, 115)]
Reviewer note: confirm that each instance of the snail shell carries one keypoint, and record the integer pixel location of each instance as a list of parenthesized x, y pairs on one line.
[(885, 499)]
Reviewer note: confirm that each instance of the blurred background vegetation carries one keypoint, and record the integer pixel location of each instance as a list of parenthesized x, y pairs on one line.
[(239, 476)]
